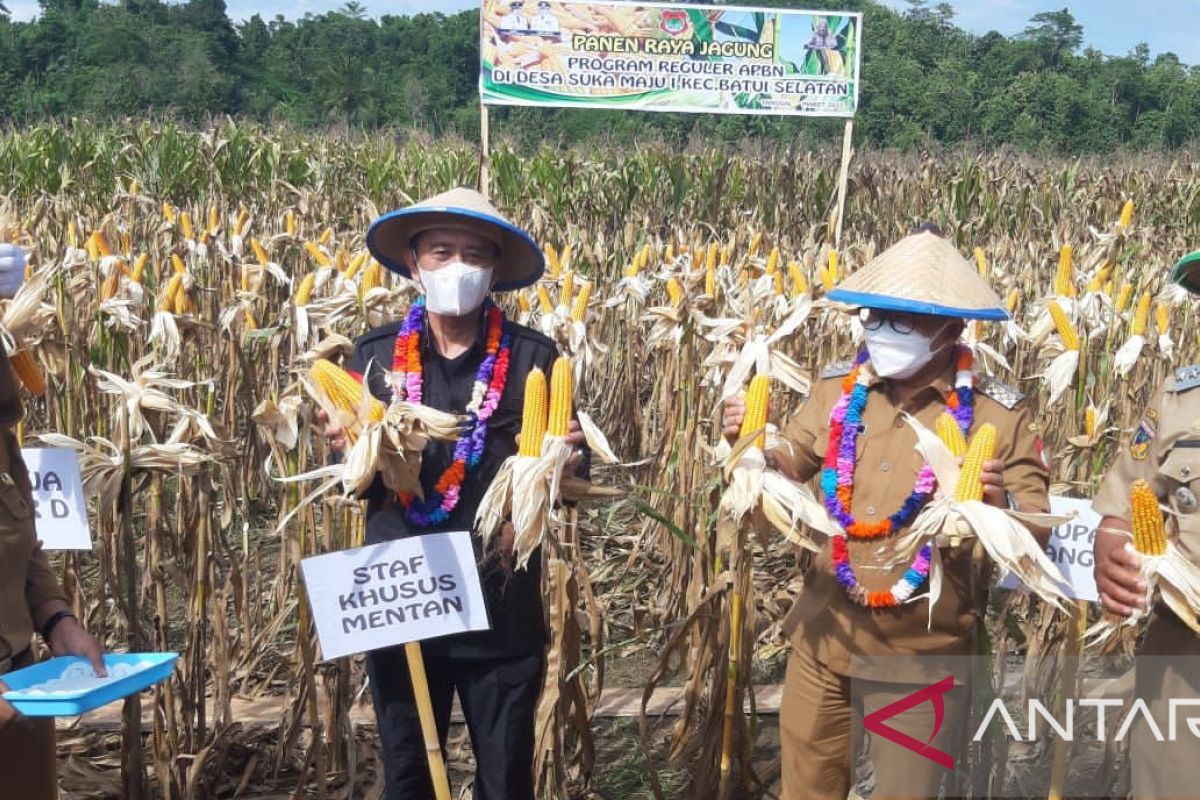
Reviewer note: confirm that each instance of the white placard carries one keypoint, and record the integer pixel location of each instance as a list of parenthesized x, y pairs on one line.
[(1070, 548), (60, 506), (407, 590)]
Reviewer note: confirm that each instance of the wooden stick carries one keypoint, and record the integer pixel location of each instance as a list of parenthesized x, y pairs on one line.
[(843, 178), (433, 747)]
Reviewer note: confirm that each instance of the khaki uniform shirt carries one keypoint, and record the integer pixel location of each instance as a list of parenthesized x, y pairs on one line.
[(26, 579), (824, 620), (1164, 451)]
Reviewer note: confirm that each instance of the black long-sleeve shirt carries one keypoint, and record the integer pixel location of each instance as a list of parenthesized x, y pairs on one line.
[(513, 599)]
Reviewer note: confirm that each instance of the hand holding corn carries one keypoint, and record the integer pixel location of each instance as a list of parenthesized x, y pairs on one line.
[(733, 414), (992, 478), (334, 433)]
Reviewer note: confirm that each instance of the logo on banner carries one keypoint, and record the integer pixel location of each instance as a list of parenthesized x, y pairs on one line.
[(933, 694), (675, 23)]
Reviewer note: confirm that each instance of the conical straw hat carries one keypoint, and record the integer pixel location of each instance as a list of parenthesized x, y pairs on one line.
[(921, 274), (521, 261), (1187, 272)]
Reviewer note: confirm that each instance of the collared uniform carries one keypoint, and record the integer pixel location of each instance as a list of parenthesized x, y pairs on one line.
[(1164, 451), (27, 766), (497, 673), (827, 629)]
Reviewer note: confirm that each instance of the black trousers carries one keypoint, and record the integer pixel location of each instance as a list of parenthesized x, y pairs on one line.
[(499, 698)]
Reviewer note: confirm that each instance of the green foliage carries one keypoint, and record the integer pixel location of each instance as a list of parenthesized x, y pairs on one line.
[(924, 79)]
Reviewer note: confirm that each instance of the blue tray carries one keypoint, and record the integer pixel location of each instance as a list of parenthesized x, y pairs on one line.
[(158, 667)]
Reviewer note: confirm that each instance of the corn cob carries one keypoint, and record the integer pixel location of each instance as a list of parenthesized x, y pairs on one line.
[(305, 290), (343, 391), (523, 303), (185, 224), (1124, 297), (727, 254), (355, 266), (72, 236), (710, 281), (1089, 422), (951, 434), (168, 213), (102, 248), (1063, 285), (579, 309), (1161, 318), (755, 244), (177, 264), (259, 253), (1149, 531), (713, 256), (674, 292), (553, 265), (981, 262), (544, 302), (112, 282), (799, 283), (561, 397), (1141, 316), (1014, 296), (1126, 214), (326, 236), (183, 303), (758, 399), (28, 371), (1064, 326), (126, 243), (827, 282), (534, 416), (167, 301), (1110, 288), (564, 258), (214, 220), (251, 323), (1098, 281), (833, 268), (314, 251), (773, 261), (139, 268), (244, 279), (242, 218), (669, 253), (289, 222), (372, 278), (983, 445), (779, 287), (567, 294)]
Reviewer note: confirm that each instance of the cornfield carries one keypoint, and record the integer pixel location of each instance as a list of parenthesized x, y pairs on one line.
[(182, 280)]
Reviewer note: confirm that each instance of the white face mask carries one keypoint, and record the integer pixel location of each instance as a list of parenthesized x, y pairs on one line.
[(456, 289), (900, 355)]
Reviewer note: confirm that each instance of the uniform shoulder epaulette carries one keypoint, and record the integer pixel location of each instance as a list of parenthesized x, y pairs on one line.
[(1186, 378), (837, 369), (1000, 391)]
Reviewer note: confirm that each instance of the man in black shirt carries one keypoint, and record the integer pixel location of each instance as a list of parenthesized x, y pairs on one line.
[(459, 249)]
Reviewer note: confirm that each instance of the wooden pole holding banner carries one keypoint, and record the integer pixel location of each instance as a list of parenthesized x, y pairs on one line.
[(843, 177), (485, 138), (1067, 688), (433, 744)]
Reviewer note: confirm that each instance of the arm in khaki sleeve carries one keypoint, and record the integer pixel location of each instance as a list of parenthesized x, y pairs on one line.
[(43, 593), (798, 455), (1025, 476)]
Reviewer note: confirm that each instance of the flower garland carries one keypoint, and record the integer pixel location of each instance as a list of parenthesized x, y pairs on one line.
[(485, 397), (837, 480)]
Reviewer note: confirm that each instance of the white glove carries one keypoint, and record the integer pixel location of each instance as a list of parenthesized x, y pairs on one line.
[(12, 269)]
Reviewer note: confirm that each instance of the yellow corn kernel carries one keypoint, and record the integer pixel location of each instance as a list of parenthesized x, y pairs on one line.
[(139, 268), (564, 258), (553, 264), (1161, 318), (1014, 297), (1123, 298), (90, 247), (166, 302), (796, 276), (1141, 315), (1149, 530), (534, 417), (778, 277), (727, 254), (981, 262), (674, 292), (214, 220), (168, 213), (72, 236), (1109, 288), (28, 371), (579, 309), (242, 218), (289, 222), (773, 261), (758, 401), (1126, 214), (1064, 286), (259, 253), (983, 445), (177, 264), (326, 237), (314, 251), (755, 245), (112, 282), (567, 294), (183, 303), (948, 430), (341, 261), (372, 278), (523, 303), (562, 399), (185, 224), (1064, 326), (343, 392), (827, 282), (244, 279), (305, 290), (1089, 422), (669, 253), (1098, 281), (126, 243), (102, 248), (713, 256), (544, 302), (833, 268), (250, 324), (355, 266)]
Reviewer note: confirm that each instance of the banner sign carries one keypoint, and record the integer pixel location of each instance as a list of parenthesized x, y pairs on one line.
[(664, 57), (59, 504), (407, 590), (1070, 548)]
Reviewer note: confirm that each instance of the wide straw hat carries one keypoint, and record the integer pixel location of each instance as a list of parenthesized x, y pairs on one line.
[(391, 236), (921, 274), (1187, 272)]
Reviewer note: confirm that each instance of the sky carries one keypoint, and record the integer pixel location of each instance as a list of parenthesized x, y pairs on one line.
[(1112, 26)]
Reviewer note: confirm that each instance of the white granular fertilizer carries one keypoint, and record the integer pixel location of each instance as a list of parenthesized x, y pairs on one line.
[(80, 678)]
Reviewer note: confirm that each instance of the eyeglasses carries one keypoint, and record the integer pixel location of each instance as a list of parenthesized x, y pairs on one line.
[(901, 322)]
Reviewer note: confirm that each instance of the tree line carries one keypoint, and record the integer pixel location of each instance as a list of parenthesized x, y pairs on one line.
[(925, 80)]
